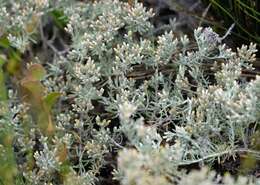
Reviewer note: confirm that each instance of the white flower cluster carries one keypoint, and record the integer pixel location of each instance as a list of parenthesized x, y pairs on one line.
[(126, 109)]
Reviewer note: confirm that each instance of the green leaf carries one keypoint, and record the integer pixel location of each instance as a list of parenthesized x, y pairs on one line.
[(59, 18), (4, 42), (34, 87), (36, 71), (8, 168), (3, 91), (2, 61), (45, 123), (51, 99), (14, 62)]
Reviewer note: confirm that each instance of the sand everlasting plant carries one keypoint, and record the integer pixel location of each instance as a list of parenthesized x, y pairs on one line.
[(104, 100)]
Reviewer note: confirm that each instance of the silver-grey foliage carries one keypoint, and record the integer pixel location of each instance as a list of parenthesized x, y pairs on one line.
[(170, 113)]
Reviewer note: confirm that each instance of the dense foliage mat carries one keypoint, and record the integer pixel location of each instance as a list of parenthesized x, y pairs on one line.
[(91, 94)]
